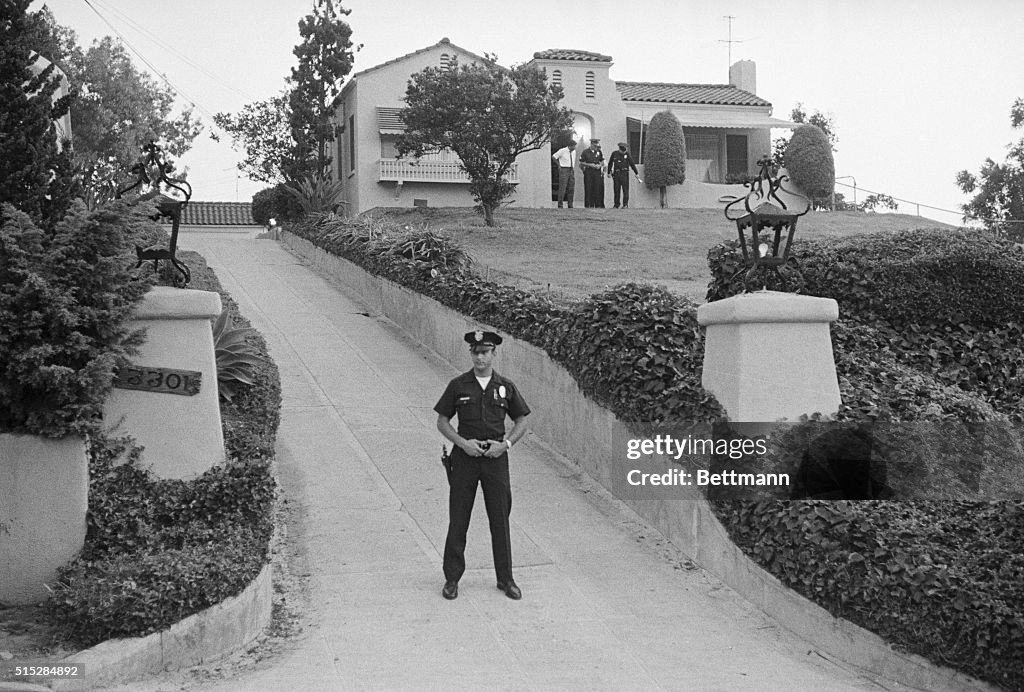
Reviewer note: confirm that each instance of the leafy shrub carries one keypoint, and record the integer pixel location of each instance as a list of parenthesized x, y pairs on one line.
[(944, 580), (664, 153), (275, 203), (316, 195), (809, 161), (235, 357), (65, 297)]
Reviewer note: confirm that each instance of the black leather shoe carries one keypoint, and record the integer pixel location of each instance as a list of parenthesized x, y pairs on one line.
[(511, 590), (450, 590)]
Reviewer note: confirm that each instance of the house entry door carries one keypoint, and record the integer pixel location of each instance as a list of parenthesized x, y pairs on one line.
[(736, 163)]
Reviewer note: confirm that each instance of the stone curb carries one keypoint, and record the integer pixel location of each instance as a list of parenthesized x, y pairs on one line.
[(200, 638), (702, 536)]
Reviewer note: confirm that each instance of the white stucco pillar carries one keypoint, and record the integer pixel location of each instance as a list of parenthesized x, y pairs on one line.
[(768, 355), (44, 492), (181, 432)]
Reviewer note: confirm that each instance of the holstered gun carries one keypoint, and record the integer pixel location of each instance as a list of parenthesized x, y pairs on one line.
[(446, 462)]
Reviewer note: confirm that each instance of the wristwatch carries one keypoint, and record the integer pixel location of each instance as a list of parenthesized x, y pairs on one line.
[(509, 443)]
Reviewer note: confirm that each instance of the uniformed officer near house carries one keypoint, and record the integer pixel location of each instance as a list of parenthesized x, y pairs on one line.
[(481, 398), (618, 170)]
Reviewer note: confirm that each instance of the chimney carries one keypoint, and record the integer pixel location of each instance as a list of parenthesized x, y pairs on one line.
[(743, 75)]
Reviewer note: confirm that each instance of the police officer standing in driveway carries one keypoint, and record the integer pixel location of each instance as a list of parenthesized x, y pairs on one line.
[(619, 164), (481, 398)]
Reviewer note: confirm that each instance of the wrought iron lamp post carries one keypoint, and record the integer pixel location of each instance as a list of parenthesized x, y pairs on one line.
[(766, 225)]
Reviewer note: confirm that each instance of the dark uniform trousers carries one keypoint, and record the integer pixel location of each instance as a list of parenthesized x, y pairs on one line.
[(481, 414), (492, 475)]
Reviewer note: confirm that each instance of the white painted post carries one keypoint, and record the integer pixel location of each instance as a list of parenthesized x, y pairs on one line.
[(768, 356), (181, 434)]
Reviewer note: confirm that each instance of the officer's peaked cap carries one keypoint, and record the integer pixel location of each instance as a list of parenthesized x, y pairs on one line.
[(482, 338)]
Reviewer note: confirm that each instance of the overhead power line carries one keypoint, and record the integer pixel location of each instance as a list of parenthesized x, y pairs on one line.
[(191, 101), (156, 38)]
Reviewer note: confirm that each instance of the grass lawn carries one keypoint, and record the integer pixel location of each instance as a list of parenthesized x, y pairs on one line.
[(577, 252)]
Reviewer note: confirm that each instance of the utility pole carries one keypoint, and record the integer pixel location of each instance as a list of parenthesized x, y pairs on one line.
[(730, 41)]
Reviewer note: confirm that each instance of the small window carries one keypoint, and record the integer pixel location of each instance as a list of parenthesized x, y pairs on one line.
[(351, 143), (556, 78), (591, 90), (446, 61)]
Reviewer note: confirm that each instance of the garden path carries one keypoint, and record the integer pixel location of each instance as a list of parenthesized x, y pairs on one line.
[(608, 603)]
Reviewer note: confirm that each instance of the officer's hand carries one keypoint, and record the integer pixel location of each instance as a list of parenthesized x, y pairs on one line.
[(496, 449), (473, 448)]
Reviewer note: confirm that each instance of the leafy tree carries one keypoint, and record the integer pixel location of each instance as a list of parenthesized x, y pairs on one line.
[(487, 116), (999, 187), (118, 109), (325, 58), (664, 154), (263, 130), (809, 161), (34, 176)]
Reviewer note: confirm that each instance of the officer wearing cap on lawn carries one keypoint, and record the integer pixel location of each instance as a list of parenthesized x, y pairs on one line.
[(481, 398)]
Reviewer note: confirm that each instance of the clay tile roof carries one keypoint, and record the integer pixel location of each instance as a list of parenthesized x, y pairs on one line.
[(569, 54), (715, 94), (217, 214)]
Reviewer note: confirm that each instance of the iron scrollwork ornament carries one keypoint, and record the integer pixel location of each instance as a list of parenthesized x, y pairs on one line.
[(772, 225)]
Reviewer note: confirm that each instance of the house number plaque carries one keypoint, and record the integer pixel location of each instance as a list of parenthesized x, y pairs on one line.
[(160, 380)]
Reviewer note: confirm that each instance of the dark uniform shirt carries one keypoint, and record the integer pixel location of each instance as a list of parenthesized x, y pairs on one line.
[(481, 411), (591, 156), (620, 162)]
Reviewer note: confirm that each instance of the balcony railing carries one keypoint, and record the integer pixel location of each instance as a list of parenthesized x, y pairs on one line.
[(424, 171)]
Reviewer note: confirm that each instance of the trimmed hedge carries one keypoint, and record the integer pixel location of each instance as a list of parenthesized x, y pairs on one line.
[(809, 161), (159, 550)]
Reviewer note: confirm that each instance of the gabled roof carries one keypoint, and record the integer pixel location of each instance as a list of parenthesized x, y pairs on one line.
[(443, 42), (712, 94), (570, 54), (217, 214)]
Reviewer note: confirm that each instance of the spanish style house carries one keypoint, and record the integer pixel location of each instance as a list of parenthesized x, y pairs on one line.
[(727, 129)]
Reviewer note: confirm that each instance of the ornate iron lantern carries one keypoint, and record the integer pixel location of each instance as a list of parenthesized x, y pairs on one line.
[(771, 225)]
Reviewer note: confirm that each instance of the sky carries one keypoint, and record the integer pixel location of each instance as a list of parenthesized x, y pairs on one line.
[(917, 90)]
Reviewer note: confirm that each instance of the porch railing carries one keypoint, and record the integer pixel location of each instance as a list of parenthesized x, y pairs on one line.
[(424, 171)]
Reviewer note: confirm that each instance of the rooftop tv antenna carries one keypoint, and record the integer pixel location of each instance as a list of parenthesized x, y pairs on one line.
[(730, 41)]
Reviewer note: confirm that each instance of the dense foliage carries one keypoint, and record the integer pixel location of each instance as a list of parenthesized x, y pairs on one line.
[(998, 188), (65, 297), (486, 115), (325, 58), (664, 153), (810, 163), (262, 130), (118, 109), (158, 550), (275, 203), (35, 176)]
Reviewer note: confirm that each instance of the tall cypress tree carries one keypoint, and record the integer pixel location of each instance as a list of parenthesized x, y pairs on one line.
[(325, 58), (664, 154), (34, 175)]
